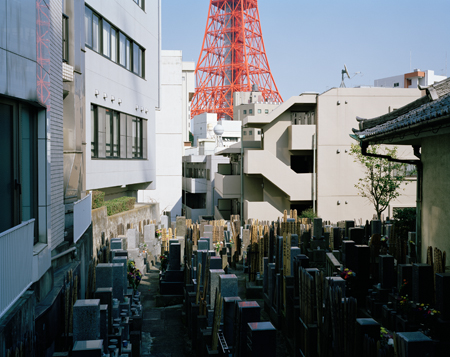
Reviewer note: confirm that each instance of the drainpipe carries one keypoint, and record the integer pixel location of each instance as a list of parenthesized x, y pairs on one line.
[(314, 193), (418, 164)]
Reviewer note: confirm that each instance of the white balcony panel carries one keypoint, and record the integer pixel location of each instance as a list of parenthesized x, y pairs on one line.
[(194, 185), (16, 263), (228, 186), (261, 162), (301, 137), (82, 216), (262, 211), (194, 213)]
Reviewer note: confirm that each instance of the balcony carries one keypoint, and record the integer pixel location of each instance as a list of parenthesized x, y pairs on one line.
[(194, 213), (262, 211), (228, 186), (301, 137), (194, 185), (16, 263), (82, 216)]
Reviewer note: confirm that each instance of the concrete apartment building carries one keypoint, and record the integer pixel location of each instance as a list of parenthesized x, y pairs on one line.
[(302, 159), (122, 41), (45, 229), (177, 87), (410, 80)]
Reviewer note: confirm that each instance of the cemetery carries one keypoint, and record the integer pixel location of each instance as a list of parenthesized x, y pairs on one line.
[(294, 286)]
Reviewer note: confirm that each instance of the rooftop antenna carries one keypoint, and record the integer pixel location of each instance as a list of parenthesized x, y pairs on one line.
[(344, 72)]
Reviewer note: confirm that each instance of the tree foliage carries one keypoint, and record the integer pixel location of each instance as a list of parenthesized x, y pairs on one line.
[(382, 179)]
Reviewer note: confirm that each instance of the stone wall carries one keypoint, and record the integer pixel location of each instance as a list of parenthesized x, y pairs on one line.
[(116, 225)]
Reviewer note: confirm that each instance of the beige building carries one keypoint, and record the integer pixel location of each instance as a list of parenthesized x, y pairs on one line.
[(424, 126), (300, 159)]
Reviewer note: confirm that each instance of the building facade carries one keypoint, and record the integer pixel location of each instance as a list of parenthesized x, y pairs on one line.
[(122, 40), (422, 126), (302, 159), (171, 123), (410, 80)]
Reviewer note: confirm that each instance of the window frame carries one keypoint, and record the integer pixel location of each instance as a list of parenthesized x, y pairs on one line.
[(128, 47), (65, 38)]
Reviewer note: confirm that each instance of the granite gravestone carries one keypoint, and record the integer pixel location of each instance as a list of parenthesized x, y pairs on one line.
[(86, 320), (103, 273)]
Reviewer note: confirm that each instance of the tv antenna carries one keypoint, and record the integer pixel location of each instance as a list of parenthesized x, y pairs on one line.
[(344, 72)]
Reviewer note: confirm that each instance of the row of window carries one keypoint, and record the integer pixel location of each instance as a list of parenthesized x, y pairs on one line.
[(104, 38), (250, 111), (117, 135)]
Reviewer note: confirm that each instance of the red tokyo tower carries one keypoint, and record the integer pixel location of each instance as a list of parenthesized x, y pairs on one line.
[(232, 59)]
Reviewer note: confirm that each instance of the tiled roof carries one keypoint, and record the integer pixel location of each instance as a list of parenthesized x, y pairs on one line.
[(426, 112), (434, 105)]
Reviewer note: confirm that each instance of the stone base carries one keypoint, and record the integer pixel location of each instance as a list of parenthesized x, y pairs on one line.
[(171, 288)]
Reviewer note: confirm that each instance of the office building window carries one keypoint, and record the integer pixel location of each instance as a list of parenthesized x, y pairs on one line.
[(94, 131), (250, 132), (266, 111), (65, 38), (259, 111), (137, 59), (250, 111), (106, 39), (137, 137), (245, 111), (95, 33), (101, 36), (112, 132), (88, 26), (19, 178), (396, 84)]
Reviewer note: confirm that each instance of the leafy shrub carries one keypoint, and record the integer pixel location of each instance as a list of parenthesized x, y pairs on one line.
[(308, 213), (120, 204), (98, 199)]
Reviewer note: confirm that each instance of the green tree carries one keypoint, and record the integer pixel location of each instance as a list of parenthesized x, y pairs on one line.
[(382, 179)]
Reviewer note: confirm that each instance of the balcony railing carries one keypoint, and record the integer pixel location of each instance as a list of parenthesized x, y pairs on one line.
[(16, 258), (82, 216)]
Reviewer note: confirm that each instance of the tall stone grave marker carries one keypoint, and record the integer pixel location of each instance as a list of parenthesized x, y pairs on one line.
[(86, 320)]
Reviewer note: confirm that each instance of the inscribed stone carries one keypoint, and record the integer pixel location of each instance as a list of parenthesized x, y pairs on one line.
[(228, 285), (86, 320), (214, 284), (131, 239), (103, 273)]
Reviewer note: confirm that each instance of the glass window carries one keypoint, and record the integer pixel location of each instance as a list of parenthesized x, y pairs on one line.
[(113, 44), (95, 32), (245, 111), (259, 111), (108, 144), (122, 57), (245, 132), (88, 26), (266, 111), (128, 54), (137, 59), (259, 132), (65, 37), (116, 134), (250, 111), (94, 131), (106, 38), (137, 137), (250, 132)]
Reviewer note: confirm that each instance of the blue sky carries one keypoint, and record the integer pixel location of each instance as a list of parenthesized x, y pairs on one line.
[(308, 42)]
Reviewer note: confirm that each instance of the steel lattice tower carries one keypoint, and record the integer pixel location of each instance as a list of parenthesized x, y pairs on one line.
[(232, 59)]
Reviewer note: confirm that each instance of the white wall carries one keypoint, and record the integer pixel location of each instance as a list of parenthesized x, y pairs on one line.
[(337, 173), (188, 89), (110, 78), (169, 137)]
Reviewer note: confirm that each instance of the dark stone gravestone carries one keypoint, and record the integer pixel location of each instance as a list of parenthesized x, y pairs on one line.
[(262, 339), (247, 311), (356, 234), (348, 225), (422, 288), (386, 271), (404, 274), (364, 327), (415, 344), (443, 294)]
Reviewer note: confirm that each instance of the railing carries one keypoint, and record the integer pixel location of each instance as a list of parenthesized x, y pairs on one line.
[(16, 259), (332, 265), (82, 216)]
